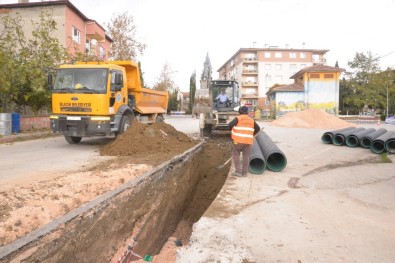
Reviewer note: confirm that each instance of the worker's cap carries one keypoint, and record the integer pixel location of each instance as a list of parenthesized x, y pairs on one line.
[(243, 110)]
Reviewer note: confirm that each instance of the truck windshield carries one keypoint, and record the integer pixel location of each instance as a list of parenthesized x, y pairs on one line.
[(81, 80)]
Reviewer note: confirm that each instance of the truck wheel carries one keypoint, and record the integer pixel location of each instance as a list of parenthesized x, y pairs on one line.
[(72, 139), (159, 118), (126, 122)]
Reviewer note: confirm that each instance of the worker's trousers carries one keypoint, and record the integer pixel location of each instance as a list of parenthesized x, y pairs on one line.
[(245, 151)]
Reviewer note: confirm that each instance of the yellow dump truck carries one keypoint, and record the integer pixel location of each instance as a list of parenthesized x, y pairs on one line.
[(101, 99)]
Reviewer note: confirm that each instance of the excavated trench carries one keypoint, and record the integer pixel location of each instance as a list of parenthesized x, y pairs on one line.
[(147, 210)]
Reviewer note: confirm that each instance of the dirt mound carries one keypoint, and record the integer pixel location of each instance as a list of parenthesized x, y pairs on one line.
[(311, 118), (149, 143)]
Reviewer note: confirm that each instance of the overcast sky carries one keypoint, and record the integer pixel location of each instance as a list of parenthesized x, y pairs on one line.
[(182, 32)]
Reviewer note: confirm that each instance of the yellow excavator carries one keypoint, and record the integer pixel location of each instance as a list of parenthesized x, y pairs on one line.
[(216, 105)]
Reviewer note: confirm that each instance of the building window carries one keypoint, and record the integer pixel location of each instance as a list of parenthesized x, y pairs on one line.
[(102, 52), (278, 55), (302, 55), (292, 55), (292, 67), (87, 46), (302, 65), (328, 76), (279, 67), (314, 75), (76, 35), (268, 66), (268, 55)]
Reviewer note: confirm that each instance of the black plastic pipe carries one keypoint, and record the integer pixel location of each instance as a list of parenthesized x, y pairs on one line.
[(340, 137), (353, 139), (257, 161), (390, 144), (367, 139), (275, 158), (378, 144), (327, 136)]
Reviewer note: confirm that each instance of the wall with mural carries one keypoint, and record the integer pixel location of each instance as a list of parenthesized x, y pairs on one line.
[(289, 101), (322, 94)]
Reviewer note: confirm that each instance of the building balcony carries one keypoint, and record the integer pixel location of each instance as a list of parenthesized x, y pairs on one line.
[(250, 71), (250, 60), (250, 83), (319, 61), (249, 95)]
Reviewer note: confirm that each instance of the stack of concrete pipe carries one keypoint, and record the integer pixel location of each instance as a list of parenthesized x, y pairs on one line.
[(266, 154), (378, 141)]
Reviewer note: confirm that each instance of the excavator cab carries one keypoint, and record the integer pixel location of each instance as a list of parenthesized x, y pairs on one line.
[(216, 106), (225, 95)]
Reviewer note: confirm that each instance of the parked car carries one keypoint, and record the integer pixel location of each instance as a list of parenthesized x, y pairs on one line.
[(390, 120)]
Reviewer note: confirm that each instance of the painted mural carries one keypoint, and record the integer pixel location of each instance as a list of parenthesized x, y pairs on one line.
[(322, 95), (289, 101)]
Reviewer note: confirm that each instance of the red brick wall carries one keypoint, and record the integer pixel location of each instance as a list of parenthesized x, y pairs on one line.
[(32, 123)]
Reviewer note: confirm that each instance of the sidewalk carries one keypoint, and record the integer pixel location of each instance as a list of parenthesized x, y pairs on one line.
[(24, 136)]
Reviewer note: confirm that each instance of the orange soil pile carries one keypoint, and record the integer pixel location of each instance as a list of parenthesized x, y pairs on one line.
[(149, 143), (311, 118)]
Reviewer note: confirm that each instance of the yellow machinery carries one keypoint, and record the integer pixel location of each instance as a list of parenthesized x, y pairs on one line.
[(214, 114), (101, 99)]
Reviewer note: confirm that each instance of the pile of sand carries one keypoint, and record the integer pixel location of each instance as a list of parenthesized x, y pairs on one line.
[(311, 118)]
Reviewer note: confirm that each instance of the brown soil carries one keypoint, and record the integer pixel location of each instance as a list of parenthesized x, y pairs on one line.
[(179, 199), (149, 144), (311, 118)]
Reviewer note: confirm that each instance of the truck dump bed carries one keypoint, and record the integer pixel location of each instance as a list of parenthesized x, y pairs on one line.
[(147, 101)]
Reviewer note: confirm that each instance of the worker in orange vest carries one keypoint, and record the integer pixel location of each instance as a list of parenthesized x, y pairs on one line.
[(244, 128)]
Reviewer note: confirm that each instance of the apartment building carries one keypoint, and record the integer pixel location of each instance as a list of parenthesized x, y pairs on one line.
[(75, 31), (259, 69)]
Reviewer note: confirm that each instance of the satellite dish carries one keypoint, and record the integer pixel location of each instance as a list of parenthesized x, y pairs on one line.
[(93, 42)]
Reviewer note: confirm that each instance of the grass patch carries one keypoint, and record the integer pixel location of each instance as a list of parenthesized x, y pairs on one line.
[(384, 158)]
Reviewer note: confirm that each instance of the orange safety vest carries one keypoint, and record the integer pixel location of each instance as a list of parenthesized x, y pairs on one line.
[(243, 132)]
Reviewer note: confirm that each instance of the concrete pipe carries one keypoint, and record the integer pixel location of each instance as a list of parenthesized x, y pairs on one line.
[(327, 136), (257, 161), (390, 144), (367, 139), (340, 138), (378, 144), (275, 158), (353, 139)]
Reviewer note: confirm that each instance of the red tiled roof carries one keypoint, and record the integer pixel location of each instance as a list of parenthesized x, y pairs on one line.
[(316, 68), (294, 87)]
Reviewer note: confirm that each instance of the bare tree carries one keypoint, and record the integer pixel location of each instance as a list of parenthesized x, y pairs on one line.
[(165, 80), (122, 30)]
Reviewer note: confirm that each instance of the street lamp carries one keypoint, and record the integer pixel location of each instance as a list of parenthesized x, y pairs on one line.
[(388, 84), (387, 100)]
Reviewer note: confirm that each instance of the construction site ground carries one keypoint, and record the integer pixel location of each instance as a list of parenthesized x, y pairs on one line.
[(329, 204)]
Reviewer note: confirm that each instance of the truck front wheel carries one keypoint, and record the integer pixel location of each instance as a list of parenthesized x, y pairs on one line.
[(126, 122), (72, 139)]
